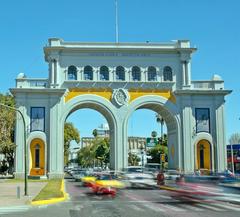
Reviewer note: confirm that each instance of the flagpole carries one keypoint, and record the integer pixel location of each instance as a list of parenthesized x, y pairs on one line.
[(116, 24)]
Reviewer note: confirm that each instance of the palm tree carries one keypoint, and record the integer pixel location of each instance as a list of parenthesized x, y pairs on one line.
[(160, 120), (154, 134)]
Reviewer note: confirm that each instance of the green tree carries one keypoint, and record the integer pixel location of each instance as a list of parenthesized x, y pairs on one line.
[(234, 139), (95, 133), (102, 151), (154, 134), (133, 159), (70, 134), (155, 153), (7, 125), (98, 151)]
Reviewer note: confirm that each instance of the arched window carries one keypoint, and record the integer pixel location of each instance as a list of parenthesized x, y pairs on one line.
[(37, 156), (104, 73), (152, 73), (136, 73), (88, 73), (120, 73), (72, 73), (167, 73)]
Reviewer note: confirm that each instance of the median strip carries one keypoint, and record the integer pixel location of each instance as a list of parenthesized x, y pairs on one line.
[(53, 192)]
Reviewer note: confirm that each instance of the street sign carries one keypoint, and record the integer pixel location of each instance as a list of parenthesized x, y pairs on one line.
[(151, 142)]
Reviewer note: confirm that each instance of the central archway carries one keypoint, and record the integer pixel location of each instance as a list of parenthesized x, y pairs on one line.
[(107, 110), (170, 114)]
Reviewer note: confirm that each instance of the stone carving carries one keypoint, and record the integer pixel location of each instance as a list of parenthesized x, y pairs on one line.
[(120, 96)]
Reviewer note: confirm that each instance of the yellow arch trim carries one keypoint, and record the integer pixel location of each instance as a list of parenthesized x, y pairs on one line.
[(135, 93), (103, 92), (107, 93)]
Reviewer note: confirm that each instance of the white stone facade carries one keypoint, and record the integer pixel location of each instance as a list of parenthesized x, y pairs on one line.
[(116, 79)]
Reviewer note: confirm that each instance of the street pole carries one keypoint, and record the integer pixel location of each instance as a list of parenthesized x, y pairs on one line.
[(162, 143), (25, 147), (232, 159)]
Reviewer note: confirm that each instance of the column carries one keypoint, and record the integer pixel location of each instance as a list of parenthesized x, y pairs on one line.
[(119, 147), (52, 68), (55, 72), (188, 70), (183, 74)]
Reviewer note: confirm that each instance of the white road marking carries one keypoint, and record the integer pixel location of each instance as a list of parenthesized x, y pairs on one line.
[(174, 208), (228, 206), (136, 208), (191, 207), (154, 207), (209, 207)]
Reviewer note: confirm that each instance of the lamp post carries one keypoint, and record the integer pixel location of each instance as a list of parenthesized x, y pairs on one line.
[(25, 147), (160, 120)]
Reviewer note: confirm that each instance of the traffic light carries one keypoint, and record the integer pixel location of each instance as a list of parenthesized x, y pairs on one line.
[(163, 157)]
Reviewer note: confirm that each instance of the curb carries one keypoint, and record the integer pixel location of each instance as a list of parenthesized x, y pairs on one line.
[(12, 209), (52, 200), (230, 186)]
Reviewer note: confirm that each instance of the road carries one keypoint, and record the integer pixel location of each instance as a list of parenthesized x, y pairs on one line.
[(130, 203)]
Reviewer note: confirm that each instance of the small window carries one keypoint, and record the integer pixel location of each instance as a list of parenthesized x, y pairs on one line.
[(104, 73), (136, 73), (37, 119), (120, 73), (88, 73), (152, 73), (202, 117), (37, 156), (167, 73), (72, 73)]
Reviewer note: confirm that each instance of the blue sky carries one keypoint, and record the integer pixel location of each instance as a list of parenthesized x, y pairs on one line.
[(211, 25)]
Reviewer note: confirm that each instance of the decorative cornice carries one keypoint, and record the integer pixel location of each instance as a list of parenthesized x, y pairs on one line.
[(38, 90), (202, 92)]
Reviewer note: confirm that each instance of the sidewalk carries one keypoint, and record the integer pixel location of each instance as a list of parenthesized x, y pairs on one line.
[(8, 192), (235, 185)]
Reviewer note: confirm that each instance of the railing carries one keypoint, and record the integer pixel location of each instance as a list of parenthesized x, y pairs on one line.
[(167, 85), (31, 83), (208, 85)]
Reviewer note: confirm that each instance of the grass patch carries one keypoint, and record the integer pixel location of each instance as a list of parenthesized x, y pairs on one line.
[(51, 190)]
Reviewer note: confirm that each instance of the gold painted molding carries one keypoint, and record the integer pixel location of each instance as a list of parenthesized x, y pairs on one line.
[(103, 92), (135, 93), (107, 93)]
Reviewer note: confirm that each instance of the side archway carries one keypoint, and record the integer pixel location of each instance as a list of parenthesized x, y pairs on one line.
[(170, 114)]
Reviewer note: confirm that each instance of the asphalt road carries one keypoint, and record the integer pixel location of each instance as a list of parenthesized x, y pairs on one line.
[(130, 203)]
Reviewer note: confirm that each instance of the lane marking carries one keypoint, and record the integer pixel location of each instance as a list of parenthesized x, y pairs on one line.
[(174, 208), (209, 207), (191, 207), (228, 206), (137, 208)]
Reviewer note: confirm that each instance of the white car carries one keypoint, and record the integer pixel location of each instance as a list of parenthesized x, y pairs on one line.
[(171, 175), (139, 179)]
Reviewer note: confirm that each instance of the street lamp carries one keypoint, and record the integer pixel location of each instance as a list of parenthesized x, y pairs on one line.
[(160, 120), (25, 147)]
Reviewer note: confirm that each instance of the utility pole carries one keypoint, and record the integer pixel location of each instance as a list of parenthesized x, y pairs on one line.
[(25, 147), (116, 19), (161, 121)]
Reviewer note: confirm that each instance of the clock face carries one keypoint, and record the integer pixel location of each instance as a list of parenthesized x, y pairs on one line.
[(37, 118)]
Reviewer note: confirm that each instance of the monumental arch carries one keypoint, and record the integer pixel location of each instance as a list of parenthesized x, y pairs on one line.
[(116, 79)]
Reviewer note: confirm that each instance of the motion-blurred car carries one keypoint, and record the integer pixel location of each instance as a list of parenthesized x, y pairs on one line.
[(135, 177), (106, 184), (171, 175)]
